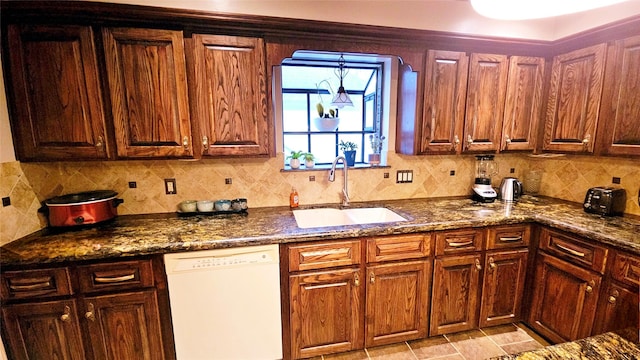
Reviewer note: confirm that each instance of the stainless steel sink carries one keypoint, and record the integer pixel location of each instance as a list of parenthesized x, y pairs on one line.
[(322, 217)]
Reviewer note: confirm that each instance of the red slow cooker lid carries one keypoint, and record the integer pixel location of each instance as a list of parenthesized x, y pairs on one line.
[(82, 198)]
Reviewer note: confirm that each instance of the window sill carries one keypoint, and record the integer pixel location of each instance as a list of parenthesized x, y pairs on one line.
[(325, 167)]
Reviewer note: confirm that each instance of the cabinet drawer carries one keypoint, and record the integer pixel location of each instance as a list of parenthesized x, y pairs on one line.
[(398, 247), (573, 249), (35, 283), (459, 241), (511, 236), (626, 269), (324, 255), (116, 276)]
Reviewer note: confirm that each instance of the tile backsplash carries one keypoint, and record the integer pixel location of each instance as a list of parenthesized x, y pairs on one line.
[(263, 183)]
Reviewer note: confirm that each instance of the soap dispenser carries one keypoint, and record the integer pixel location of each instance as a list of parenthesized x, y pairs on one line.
[(294, 200)]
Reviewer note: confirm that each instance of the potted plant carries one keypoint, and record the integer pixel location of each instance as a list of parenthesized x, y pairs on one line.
[(309, 160), (326, 121), (348, 148), (376, 147), (294, 159)]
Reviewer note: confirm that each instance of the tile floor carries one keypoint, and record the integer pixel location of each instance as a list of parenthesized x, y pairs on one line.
[(468, 345)]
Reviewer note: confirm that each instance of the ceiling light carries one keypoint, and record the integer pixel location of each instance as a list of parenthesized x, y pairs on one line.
[(341, 99), (535, 9)]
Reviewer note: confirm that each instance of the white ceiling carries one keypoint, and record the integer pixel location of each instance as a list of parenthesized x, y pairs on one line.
[(440, 15)]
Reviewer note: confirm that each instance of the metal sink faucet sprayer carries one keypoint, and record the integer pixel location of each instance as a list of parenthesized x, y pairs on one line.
[(332, 177)]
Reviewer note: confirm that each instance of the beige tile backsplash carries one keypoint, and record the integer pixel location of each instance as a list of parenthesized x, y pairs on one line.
[(263, 183)]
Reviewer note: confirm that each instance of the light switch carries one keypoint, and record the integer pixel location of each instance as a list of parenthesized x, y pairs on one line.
[(170, 186)]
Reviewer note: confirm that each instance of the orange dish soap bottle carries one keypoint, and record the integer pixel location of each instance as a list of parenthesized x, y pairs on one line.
[(293, 198)]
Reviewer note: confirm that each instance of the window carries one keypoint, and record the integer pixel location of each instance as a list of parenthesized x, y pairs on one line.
[(308, 82)]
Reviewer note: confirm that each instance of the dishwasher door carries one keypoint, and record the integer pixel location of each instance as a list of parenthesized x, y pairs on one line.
[(225, 304)]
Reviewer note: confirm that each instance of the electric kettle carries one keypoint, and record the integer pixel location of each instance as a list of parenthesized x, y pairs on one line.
[(510, 189)]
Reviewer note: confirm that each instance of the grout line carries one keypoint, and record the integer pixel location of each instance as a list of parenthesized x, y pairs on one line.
[(454, 346), (367, 352), (493, 341), (411, 349)]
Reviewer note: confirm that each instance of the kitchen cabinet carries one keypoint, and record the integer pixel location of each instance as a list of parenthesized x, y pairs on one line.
[(444, 101), (574, 100), (147, 80), (486, 93), (619, 130), (523, 103), (111, 312), (397, 292), (56, 100), (229, 96)]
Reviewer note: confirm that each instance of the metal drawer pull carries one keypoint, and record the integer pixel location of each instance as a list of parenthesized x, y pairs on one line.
[(66, 315), (90, 314), (570, 251), (478, 266), (492, 264), (37, 286), (356, 280), (590, 285), (460, 244), (372, 278), (508, 239), (109, 280)]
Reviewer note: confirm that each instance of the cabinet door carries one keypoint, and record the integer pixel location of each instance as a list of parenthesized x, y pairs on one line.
[(564, 303), (397, 300), (148, 86), (47, 330), (326, 312), (523, 103), (574, 100), (503, 287), (230, 95), (485, 102), (456, 282), (444, 96), (617, 310), (124, 326), (619, 132), (57, 109)]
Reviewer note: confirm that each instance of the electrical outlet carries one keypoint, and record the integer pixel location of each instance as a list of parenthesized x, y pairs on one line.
[(170, 186), (385, 175), (6, 201), (615, 180), (227, 181), (452, 173), (132, 185), (312, 178), (512, 170)]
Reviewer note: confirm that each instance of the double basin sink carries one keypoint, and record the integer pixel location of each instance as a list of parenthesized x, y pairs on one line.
[(323, 217)]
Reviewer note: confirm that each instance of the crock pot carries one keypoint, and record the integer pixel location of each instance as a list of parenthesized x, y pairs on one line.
[(84, 208)]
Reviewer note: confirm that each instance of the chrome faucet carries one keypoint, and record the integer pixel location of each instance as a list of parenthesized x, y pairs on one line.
[(332, 177)]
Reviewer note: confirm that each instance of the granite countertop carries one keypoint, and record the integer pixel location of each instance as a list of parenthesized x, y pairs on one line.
[(162, 233)]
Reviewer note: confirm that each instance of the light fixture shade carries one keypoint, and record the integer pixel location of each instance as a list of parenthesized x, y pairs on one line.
[(534, 9), (341, 99)]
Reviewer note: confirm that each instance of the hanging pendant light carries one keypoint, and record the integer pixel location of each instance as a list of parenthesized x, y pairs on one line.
[(341, 98)]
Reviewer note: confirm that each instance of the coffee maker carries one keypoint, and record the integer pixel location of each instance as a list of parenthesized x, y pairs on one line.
[(485, 169)]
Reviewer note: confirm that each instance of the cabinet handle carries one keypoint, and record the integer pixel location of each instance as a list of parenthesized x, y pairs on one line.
[(507, 140), (613, 297), (372, 277), (509, 239), (570, 251), (100, 142), (492, 264), (90, 314), (456, 140), (109, 280), (37, 286), (66, 315), (185, 142), (460, 244), (469, 140), (356, 279), (586, 140), (589, 288), (478, 266), (205, 142)]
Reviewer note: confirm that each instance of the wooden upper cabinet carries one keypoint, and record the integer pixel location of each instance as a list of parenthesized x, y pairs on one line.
[(523, 103), (619, 130), (574, 100), (147, 81), (444, 101), (229, 89), (57, 108), (485, 102)]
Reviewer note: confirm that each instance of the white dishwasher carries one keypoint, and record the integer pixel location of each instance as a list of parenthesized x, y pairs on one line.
[(225, 304)]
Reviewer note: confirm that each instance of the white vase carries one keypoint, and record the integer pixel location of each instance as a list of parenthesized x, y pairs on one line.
[(309, 163), (294, 163), (326, 124)]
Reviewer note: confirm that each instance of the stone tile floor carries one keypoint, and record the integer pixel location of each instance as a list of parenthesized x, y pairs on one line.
[(469, 345)]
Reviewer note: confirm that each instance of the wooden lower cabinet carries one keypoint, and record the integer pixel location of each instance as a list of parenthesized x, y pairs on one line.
[(46, 330), (502, 287), (456, 285), (564, 302), (397, 301), (326, 312), (617, 310)]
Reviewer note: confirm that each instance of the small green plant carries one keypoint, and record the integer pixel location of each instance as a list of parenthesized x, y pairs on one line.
[(347, 146), (295, 155), (308, 157)]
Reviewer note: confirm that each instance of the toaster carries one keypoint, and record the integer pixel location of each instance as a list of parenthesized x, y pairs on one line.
[(606, 201)]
